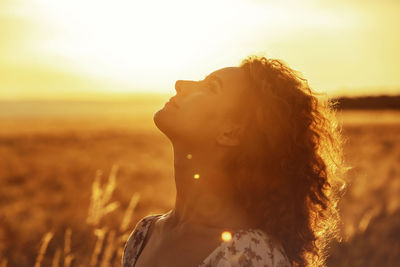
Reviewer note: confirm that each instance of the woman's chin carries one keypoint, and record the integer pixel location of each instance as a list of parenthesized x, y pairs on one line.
[(157, 116), (161, 119)]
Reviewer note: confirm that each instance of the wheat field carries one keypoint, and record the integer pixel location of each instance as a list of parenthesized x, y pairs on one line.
[(73, 185)]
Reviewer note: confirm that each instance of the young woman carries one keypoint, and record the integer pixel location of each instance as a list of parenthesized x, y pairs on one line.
[(257, 160)]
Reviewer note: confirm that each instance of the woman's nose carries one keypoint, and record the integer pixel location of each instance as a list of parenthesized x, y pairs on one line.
[(182, 86), (178, 86)]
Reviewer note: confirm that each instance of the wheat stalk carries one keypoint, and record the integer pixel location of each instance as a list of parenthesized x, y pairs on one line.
[(110, 185), (68, 257), (93, 213), (109, 250), (56, 258), (101, 196), (98, 208), (45, 241), (100, 233), (129, 211)]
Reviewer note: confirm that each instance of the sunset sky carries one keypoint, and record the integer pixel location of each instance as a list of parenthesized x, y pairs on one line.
[(80, 49)]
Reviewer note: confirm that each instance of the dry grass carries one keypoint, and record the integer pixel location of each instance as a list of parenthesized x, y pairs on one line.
[(70, 195)]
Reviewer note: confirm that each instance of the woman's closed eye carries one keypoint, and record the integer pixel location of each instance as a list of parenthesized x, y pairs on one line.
[(212, 86)]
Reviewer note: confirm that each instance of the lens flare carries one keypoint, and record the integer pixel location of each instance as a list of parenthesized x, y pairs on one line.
[(226, 236)]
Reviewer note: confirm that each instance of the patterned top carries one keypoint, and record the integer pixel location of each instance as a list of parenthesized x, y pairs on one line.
[(246, 248)]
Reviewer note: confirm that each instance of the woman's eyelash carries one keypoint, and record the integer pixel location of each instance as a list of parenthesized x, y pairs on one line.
[(211, 85)]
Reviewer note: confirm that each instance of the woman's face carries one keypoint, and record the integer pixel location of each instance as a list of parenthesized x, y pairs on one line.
[(203, 108)]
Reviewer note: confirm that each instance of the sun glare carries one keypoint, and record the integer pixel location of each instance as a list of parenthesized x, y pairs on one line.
[(133, 41), (55, 49), (122, 40)]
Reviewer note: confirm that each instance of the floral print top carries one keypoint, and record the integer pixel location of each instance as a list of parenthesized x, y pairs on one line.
[(246, 248)]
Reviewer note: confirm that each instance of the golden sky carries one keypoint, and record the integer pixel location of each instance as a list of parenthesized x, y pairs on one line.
[(78, 49)]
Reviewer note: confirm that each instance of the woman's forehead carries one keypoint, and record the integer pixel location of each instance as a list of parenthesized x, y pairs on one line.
[(233, 78)]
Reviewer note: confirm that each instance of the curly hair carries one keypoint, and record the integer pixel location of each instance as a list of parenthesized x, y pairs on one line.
[(288, 170)]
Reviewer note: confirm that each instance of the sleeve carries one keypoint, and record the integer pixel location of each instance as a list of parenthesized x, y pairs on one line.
[(134, 241)]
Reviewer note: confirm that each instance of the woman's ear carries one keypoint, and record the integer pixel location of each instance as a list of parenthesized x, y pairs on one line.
[(229, 134)]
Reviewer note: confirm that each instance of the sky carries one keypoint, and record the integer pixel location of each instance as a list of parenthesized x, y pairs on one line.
[(81, 49)]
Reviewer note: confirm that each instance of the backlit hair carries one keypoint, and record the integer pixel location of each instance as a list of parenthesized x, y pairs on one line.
[(288, 170)]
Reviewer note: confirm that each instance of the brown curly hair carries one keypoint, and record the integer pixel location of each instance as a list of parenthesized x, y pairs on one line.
[(288, 170)]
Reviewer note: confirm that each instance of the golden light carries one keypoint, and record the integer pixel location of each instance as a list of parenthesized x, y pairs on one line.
[(226, 236), (133, 41), (62, 49), (196, 176), (136, 41), (189, 156)]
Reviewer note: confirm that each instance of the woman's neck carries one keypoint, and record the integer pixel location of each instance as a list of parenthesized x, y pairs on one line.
[(204, 197)]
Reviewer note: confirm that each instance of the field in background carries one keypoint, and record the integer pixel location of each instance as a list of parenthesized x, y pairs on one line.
[(50, 154)]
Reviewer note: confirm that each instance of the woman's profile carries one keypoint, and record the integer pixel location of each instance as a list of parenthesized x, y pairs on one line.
[(257, 166)]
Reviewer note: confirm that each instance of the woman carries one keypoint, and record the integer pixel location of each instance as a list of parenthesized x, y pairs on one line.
[(257, 159)]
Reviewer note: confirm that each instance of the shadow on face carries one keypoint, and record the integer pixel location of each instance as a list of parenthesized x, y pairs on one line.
[(202, 109)]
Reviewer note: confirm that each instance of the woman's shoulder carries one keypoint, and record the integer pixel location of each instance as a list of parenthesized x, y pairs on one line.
[(136, 238), (251, 247)]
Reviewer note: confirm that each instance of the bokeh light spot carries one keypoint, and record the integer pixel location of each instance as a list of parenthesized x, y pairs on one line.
[(196, 176), (189, 156), (226, 236)]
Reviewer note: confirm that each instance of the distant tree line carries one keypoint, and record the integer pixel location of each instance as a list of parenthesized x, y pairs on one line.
[(367, 102)]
